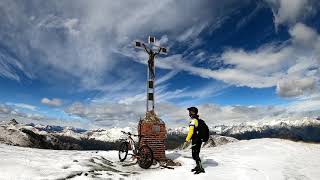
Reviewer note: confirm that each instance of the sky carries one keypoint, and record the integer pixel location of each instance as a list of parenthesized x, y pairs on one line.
[(73, 63)]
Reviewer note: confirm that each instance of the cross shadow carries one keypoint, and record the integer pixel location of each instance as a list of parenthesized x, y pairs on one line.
[(129, 164), (173, 155), (209, 163)]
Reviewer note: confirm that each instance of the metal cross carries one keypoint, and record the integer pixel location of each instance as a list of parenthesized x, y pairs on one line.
[(151, 67)]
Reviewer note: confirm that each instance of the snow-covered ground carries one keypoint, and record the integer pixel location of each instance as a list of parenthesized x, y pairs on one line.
[(258, 159)]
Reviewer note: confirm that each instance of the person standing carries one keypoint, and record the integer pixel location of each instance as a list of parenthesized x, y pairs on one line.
[(193, 135)]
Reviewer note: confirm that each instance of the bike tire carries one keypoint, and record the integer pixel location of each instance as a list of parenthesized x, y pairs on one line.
[(123, 151), (145, 157)]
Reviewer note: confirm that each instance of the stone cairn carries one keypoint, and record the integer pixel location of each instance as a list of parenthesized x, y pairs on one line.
[(154, 134)]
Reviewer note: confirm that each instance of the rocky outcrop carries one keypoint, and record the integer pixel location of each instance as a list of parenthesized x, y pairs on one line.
[(217, 140), (28, 135), (13, 122)]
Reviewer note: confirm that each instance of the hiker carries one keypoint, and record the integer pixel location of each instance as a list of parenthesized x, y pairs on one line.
[(196, 140)]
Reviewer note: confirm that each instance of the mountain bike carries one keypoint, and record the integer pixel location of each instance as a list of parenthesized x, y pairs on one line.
[(143, 153)]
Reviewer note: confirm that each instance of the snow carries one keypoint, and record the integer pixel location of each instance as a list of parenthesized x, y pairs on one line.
[(11, 135), (179, 130), (110, 135), (261, 159), (70, 133), (265, 124)]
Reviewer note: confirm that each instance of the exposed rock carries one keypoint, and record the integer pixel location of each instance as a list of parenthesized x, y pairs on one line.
[(13, 122), (170, 162), (11, 136), (151, 116), (217, 140)]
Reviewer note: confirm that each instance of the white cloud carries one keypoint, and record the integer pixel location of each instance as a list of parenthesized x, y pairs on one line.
[(191, 33), (52, 102), (7, 113), (267, 66), (108, 114), (5, 109), (291, 11), (105, 115), (192, 93), (10, 66), (271, 65), (131, 108), (295, 87), (304, 35), (81, 41), (166, 77), (23, 106), (244, 74), (71, 25), (77, 44), (120, 115), (306, 104), (268, 58)]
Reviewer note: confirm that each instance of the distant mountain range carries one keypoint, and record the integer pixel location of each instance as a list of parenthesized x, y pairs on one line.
[(306, 129), (58, 137)]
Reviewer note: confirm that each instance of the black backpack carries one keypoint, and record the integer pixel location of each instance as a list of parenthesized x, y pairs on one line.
[(203, 130)]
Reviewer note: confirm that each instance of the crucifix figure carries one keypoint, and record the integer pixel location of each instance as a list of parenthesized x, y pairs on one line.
[(152, 55)]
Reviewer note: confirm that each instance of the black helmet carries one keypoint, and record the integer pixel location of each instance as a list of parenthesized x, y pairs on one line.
[(193, 109)]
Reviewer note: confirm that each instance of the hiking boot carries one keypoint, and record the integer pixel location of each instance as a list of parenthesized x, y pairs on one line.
[(201, 170), (195, 169)]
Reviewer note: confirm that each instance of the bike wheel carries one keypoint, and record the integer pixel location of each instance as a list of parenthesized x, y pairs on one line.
[(145, 157), (123, 151)]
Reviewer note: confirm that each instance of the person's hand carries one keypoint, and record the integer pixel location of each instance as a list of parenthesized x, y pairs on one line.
[(185, 144)]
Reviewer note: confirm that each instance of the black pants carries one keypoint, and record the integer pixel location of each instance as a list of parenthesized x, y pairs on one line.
[(196, 146)]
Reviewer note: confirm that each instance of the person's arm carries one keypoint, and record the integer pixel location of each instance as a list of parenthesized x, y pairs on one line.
[(159, 50), (191, 130), (145, 48), (190, 133)]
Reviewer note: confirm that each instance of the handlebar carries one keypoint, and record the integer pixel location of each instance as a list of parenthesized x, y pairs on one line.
[(128, 133)]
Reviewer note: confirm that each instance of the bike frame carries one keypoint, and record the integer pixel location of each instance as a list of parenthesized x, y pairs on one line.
[(132, 144), (144, 160)]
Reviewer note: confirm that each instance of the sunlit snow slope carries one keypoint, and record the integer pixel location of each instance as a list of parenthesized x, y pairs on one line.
[(257, 159)]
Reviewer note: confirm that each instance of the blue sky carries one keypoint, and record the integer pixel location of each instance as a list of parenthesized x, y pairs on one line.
[(73, 63)]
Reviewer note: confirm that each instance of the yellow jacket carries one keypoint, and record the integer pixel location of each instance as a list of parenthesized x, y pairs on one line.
[(192, 125)]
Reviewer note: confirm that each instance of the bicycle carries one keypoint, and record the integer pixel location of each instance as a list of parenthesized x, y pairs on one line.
[(143, 154)]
